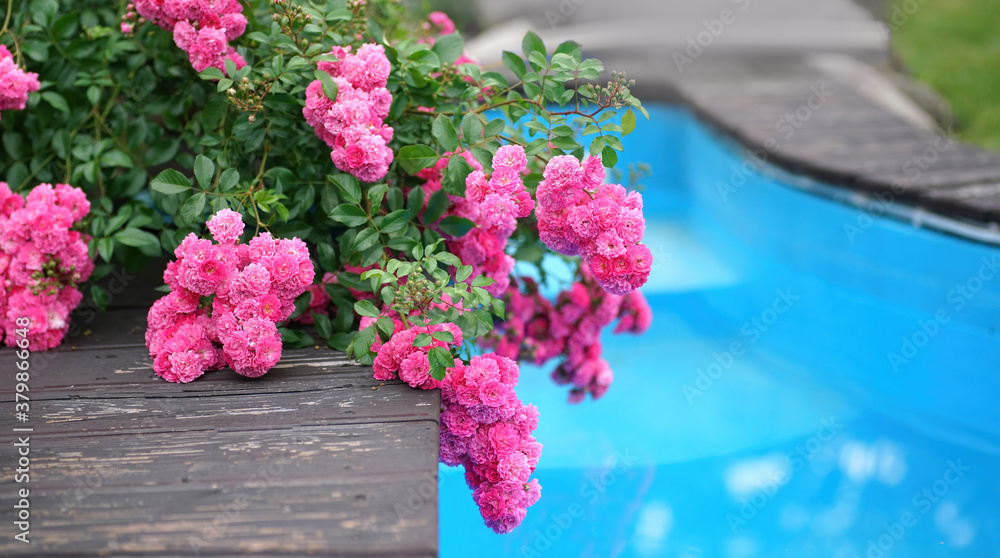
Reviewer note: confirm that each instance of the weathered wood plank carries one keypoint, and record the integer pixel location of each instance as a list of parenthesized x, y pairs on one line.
[(91, 329), (318, 406), (314, 458), (283, 518), (126, 372), (154, 462)]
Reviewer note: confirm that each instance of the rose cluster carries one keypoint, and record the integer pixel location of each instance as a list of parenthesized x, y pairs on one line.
[(251, 287), (579, 215), (15, 83), (537, 330), (352, 124), (399, 356), (42, 260), (486, 428), (493, 204), (503, 198), (202, 28)]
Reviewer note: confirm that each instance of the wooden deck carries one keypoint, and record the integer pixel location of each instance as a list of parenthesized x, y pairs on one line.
[(314, 458)]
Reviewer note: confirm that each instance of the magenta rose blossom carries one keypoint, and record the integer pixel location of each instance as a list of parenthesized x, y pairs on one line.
[(603, 223), (352, 124), (15, 83), (254, 287), (43, 258), (202, 28)]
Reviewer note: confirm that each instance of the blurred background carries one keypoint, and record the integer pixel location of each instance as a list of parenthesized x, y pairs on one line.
[(944, 55)]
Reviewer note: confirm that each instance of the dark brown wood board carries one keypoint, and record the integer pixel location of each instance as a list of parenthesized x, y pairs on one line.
[(314, 458)]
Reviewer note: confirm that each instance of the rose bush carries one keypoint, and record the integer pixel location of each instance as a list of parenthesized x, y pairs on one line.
[(365, 183)]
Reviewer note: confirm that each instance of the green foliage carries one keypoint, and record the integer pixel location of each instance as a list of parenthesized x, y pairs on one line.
[(158, 147)]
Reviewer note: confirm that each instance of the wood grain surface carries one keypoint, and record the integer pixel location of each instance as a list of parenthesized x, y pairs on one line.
[(314, 458)]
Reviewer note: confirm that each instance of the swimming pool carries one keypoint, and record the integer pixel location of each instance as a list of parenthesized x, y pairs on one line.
[(818, 381)]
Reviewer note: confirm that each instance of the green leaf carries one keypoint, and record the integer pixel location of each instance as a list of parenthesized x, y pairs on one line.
[(17, 173), (229, 179), (628, 122), (350, 215), (212, 114), (440, 360), (499, 309), (514, 63), (255, 139), (193, 209), (99, 296), (394, 198), (385, 328), (366, 239), (326, 257), (295, 339), (340, 341), (36, 50), (162, 151), (301, 305), (455, 175), (323, 325), (375, 195), (532, 43), (65, 27), (436, 206), (57, 101), (415, 201), (170, 182), (363, 341), (482, 281), (456, 226), (204, 171), (118, 220), (329, 86), (211, 73), (136, 238), (348, 187), (116, 158), (345, 316), (449, 48), (609, 157), (105, 247), (366, 308), (572, 48), (448, 258), (472, 128), (94, 94), (395, 221), (415, 158), (14, 145), (422, 340), (494, 127), (444, 132), (443, 336), (463, 273), (403, 243)]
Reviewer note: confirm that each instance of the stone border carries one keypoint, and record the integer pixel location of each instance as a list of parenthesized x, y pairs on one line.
[(811, 122)]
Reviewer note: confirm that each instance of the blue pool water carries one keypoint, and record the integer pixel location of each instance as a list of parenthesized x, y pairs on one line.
[(818, 381)]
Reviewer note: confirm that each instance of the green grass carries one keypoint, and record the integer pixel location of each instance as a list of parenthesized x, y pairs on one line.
[(954, 47)]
